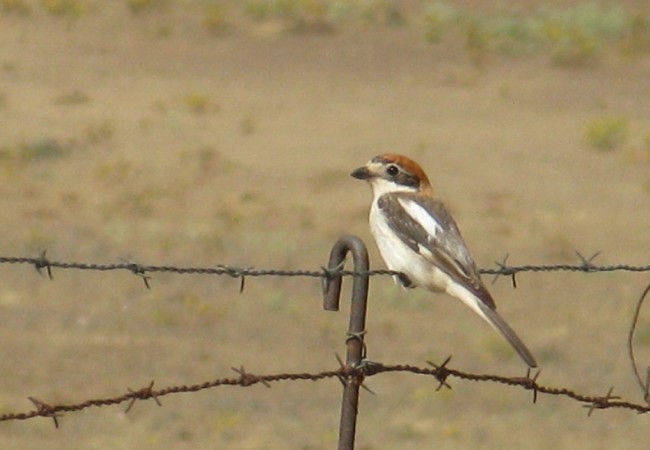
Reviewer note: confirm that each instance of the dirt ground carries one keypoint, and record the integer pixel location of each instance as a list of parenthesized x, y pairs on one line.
[(149, 138)]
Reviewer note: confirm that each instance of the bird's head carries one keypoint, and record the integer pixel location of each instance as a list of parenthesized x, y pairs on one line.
[(393, 173)]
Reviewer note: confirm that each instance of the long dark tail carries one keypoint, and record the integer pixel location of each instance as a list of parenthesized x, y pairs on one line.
[(494, 319)]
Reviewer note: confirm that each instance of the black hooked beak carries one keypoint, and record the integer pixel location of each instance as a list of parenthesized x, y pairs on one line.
[(362, 173)]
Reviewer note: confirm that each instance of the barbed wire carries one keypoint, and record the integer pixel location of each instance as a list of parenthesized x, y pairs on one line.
[(441, 373), (141, 270)]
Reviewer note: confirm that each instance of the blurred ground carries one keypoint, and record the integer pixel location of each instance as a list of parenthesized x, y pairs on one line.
[(146, 136)]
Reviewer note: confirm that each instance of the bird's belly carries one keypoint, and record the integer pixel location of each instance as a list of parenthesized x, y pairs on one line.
[(400, 257)]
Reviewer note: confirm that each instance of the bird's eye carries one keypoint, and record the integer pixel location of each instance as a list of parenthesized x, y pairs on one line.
[(392, 170)]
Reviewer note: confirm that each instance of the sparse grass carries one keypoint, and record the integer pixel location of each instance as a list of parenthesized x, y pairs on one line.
[(476, 42), (15, 156), (75, 97), (140, 202), (636, 38), (68, 8), (577, 35), (606, 133), (315, 16), (114, 171), (439, 17), (573, 36), (43, 149), (165, 318), (99, 132), (207, 159), (571, 46), (323, 16), (388, 12), (21, 7), (229, 216), (258, 10), (214, 18), (164, 30), (142, 6), (204, 162), (200, 103)]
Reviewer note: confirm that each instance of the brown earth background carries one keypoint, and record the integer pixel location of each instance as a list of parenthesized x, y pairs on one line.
[(196, 134)]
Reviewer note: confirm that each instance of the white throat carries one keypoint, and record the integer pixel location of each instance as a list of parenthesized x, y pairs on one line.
[(381, 186)]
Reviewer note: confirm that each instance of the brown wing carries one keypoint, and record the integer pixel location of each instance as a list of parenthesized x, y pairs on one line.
[(443, 246)]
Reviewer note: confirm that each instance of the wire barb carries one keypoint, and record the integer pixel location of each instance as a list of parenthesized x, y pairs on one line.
[(144, 393), (329, 274), (138, 271), (237, 273), (441, 373), (586, 265), (533, 382), (601, 402), (46, 410), (42, 262), (248, 379), (505, 270)]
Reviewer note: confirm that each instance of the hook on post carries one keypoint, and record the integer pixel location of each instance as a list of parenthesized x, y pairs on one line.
[(355, 340)]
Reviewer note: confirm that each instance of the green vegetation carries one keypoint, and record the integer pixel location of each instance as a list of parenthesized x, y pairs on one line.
[(319, 16), (199, 103), (297, 15), (571, 36), (636, 36), (606, 133), (141, 6), (16, 6), (214, 18), (38, 149), (69, 8)]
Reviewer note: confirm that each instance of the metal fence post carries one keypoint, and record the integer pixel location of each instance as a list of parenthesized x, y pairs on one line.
[(354, 342)]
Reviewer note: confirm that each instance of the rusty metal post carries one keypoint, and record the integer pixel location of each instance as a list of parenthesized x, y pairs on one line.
[(355, 343)]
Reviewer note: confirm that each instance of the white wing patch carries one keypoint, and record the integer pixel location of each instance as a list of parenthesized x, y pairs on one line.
[(421, 216)]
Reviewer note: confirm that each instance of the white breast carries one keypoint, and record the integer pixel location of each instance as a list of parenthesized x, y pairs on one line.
[(400, 257)]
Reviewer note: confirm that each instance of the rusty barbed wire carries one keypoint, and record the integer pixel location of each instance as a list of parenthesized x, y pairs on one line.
[(441, 373), (141, 270), (348, 372)]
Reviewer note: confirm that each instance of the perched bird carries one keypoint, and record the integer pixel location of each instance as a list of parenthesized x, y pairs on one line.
[(417, 236)]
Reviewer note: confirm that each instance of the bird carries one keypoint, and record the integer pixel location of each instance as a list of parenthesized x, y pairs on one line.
[(417, 237)]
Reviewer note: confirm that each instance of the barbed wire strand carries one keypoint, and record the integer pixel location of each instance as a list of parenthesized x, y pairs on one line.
[(141, 270), (246, 379)]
